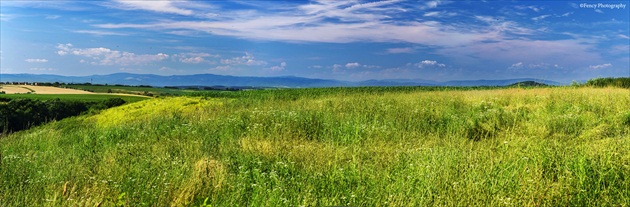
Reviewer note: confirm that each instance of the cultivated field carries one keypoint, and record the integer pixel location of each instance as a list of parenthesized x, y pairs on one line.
[(321, 147), (23, 89), (76, 97), (13, 89)]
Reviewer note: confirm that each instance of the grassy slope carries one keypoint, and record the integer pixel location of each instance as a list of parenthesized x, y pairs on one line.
[(129, 89), (74, 97), (550, 146)]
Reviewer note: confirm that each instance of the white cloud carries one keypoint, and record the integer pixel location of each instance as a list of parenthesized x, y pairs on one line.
[(36, 60), (623, 36), (99, 33), (179, 7), (517, 65), (315, 66), (42, 69), (5, 17), (439, 14), (248, 60), (523, 50), (431, 14), (155, 6), (194, 58), (279, 67), (400, 50), (352, 65), (53, 17), (540, 66), (566, 14), (337, 68), (601, 66), (533, 8), (106, 56), (312, 23), (221, 68), (429, 63), (371, 66), (541, 17), (432, 4)]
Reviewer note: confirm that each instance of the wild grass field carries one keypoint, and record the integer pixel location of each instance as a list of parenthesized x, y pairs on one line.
[(561, 146)]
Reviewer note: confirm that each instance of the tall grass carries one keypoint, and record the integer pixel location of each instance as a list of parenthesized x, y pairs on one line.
[(321, 147)]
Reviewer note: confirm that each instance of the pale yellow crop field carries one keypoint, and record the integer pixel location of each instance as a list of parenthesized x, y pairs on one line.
[(13, 89), (16, 89)]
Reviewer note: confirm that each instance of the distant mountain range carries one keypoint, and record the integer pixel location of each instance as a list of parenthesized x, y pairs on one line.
[(224, 80)]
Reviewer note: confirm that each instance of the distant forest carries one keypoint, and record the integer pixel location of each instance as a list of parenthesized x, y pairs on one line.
[(605, 82)]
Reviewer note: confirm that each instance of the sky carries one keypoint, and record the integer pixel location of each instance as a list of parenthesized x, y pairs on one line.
[(352, 40)]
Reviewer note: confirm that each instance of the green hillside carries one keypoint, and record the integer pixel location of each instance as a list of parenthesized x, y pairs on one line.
[(504, 147)]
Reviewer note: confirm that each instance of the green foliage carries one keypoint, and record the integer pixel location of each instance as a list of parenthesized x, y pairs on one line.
[(408, 146), (20, 114), (609, 82), (528, 84)]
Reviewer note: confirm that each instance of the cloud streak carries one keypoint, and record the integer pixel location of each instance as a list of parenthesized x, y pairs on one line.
[(34, 60), (599, 67), (429, 63), (248, 60), (313, 23), (106, 56)]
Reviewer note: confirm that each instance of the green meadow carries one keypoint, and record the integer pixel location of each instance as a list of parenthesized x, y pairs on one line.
[(390, 146), (129, 89)]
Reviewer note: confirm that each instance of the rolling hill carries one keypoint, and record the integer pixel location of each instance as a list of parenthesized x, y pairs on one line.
[(224, 80)]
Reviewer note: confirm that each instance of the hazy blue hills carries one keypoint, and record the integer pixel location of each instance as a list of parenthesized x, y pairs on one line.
[(224, 80)]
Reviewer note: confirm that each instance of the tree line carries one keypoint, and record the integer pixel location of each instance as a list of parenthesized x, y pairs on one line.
[(605, 82), (20, 114)]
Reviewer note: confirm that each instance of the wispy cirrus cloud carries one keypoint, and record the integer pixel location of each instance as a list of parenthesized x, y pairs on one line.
[(155, 6), (541, 17), (399, 50), (439, 14), (42, 69), (106, 56), (36, 60), (5, 17), (53, 16), (178, 7), (248, 60), (195, 58), (352, 65), (600, 66), (429, 63), (99, 32), (280, 67), (322, 21)]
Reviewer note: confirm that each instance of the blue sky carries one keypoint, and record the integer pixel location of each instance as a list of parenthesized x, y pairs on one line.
[(344, 40)]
